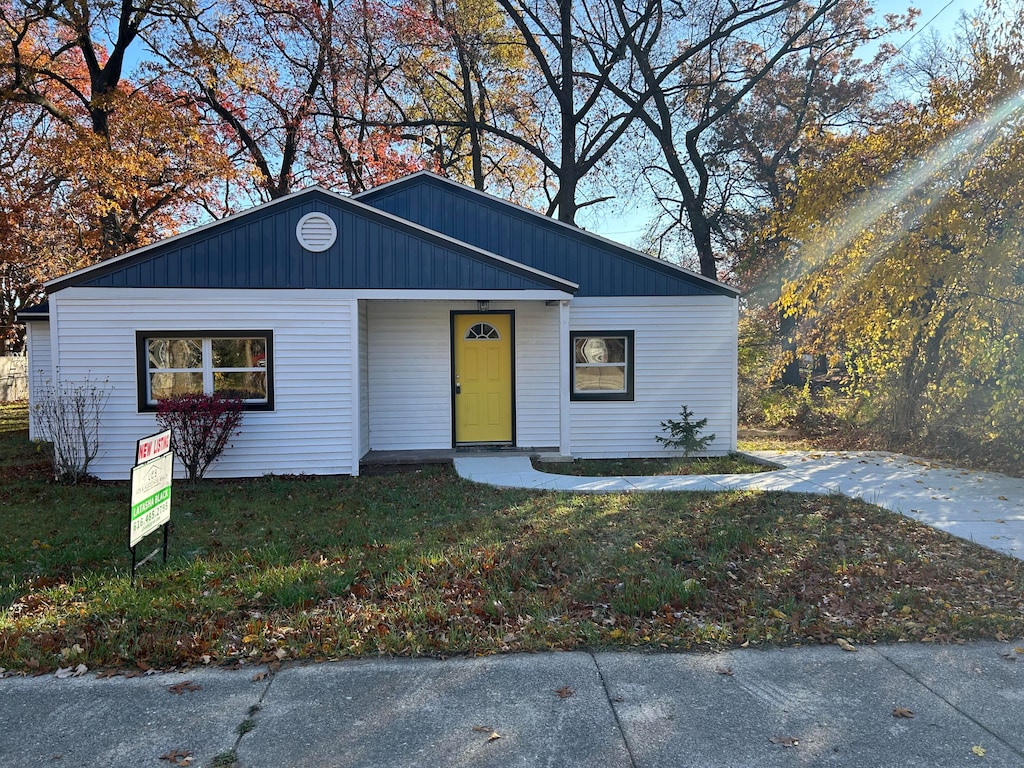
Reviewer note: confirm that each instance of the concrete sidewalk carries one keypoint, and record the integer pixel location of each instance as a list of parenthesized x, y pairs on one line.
[(983, 507), (815, 706)]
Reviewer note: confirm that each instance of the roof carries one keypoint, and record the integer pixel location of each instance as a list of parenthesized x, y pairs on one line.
[(40, 311), (601, 267), (258, 248)]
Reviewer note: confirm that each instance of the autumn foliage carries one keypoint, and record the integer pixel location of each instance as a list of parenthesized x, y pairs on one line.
[(201, 428), (904, 255)]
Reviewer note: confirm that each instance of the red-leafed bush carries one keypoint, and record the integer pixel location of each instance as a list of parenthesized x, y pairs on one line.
[(201, 426)]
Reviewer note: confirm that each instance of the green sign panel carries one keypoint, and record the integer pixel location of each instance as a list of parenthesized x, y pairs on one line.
[(151, 496)]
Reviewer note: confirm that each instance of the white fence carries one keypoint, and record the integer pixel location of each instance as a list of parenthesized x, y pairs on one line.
[(13, 379)]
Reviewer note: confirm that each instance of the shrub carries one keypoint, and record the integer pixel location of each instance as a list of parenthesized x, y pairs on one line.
[(68, 417), (685, 433), (201, 426)]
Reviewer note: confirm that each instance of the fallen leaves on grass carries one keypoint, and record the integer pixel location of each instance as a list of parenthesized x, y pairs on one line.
[(903, 712), (712, 571), (180, 688)]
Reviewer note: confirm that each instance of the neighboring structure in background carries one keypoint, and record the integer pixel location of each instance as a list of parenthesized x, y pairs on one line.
[(418, 315), (13, 378)]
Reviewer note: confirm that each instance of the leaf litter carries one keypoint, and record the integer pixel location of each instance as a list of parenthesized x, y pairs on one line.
[(180, 688)]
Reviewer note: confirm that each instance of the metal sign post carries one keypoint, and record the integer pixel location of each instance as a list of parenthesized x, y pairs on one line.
[(151, 494)]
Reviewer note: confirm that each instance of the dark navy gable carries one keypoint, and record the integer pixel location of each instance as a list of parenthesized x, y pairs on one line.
[(601, 268), (259, 249)]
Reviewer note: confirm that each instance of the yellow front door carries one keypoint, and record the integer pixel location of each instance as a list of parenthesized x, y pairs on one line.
[(482, 350)]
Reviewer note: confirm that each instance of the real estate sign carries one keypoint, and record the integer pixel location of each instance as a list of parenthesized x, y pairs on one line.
[(151, 496), (150, 447)]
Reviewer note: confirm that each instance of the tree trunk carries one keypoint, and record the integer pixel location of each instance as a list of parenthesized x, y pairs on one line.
[(788, 337), (568, 173)]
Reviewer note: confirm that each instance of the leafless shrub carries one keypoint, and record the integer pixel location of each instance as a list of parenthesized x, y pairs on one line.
[(68, 417)]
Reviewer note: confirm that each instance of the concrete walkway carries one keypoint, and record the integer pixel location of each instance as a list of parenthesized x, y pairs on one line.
[(983, 507), (911, 706)]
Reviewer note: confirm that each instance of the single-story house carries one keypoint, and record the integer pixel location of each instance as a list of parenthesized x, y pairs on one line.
[(421, 314)]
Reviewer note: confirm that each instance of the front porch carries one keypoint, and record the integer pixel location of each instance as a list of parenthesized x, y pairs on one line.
[(415, 395), (386, 462)]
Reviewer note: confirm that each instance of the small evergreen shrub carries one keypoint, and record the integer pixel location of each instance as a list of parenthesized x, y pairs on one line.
[(201, 427), (684, 433)]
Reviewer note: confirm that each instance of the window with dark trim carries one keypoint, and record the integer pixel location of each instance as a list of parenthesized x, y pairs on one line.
[(233, 363), (602, 365)]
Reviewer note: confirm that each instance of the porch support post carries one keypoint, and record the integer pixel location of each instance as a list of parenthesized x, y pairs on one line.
[(565, 360), (355, 339)]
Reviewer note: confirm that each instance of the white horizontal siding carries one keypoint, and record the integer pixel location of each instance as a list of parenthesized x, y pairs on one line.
[(537, 377), (40, 368), (310, 430), (409, 367), (685, 354), (409, 361)]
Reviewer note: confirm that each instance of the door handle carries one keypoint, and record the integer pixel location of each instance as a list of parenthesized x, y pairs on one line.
[(458, 388)]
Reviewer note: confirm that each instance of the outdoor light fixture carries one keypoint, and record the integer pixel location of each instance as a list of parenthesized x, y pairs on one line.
[(483, 306)]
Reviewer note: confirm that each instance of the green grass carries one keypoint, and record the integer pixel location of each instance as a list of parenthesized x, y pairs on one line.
[(715, 465), (425, 563)]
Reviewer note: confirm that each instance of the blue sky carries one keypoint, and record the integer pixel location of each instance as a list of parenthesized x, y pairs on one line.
[(939, 15), (936, 15)]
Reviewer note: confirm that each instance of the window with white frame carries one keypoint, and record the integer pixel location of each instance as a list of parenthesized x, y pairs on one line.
[(602, 365), (232, 363)]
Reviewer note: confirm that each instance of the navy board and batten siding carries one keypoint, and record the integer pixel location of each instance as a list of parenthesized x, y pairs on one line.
[(314, 352), (600, 267), (259, 249)]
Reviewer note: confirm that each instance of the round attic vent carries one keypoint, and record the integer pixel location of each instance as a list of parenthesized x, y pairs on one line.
[(316, 232)]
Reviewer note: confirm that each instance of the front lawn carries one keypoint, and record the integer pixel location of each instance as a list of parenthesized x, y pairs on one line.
[(426, 563)]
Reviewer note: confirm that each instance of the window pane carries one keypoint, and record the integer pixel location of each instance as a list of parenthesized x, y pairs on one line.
[(482, 331), (163, 385), (239, 353), (601, 378), (175, 353), (247, 386), (600, 349)]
